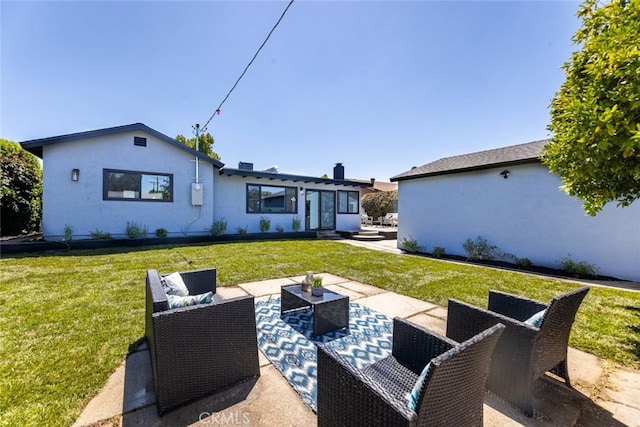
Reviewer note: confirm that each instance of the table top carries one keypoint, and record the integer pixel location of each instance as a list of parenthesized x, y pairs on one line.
[(326, 296)]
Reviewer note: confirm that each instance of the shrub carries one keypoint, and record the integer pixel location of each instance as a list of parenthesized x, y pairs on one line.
[(265, 224), (480, 249), (68, 233), (100, 235), (524, 263), (279, 228), (578, 269), (161, 232), (438, 251), (135, 231), (410, 245), (295, 224), (241, 230), (219, 227), (380, 203)]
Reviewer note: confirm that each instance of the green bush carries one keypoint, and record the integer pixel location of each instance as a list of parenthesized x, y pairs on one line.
[(410, 245), (296, 224), (241, 230), (524, 263), (68, 233), (219, 227), (438, 251), (279, 228), (100, 235), (480, 249), (580, 269), (380, 203), (135, 231), (161, 232), (265, 224)]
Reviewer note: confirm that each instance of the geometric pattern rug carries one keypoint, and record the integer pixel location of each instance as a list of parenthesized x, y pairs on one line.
[(290, 346)]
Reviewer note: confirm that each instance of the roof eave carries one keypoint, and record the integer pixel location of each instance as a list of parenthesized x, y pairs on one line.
[(399, 178), (287, 177)]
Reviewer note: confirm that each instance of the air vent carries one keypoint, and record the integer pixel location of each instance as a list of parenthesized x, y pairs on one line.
[(245, 166), (139, 141)]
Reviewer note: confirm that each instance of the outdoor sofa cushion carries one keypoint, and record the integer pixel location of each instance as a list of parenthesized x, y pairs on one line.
[(173, 284), (176, 301)]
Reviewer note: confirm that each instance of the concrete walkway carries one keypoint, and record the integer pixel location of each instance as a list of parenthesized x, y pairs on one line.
[(604, 394)]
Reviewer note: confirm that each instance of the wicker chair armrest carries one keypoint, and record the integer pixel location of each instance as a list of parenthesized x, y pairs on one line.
[(346, 396), (514, 306), (200, 281), (466, 320), (414, 346)]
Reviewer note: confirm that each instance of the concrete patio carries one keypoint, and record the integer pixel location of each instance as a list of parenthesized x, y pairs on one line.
[(604, 394)]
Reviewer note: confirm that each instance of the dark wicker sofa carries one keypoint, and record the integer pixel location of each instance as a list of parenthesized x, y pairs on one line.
[(200, 349), (451, 395), (524, 352)]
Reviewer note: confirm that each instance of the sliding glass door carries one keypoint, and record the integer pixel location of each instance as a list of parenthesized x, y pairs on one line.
[(320, 212)]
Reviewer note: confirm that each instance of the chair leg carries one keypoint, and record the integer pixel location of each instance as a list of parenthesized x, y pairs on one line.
[(562, 370)]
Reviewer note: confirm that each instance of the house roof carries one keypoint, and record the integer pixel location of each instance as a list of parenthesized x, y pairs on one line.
[(515, 154), (35, 145), (295, 178), (379, 185)]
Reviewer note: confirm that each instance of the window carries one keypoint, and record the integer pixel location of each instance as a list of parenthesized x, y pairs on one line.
[(348, 202), (140, 186), (271, 199)]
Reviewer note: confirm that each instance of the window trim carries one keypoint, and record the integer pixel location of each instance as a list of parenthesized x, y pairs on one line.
[(261, 212), (342, 212), (105, 186)]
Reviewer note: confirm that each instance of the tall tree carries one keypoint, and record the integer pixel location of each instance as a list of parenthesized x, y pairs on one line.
[(595, 116), (21, 196), (205, 145)]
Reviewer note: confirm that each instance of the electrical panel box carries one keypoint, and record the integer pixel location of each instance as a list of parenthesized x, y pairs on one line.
[(197, 192)]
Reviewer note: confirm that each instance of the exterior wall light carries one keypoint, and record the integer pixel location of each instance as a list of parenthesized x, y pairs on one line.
[(505, 174), (75, 174)]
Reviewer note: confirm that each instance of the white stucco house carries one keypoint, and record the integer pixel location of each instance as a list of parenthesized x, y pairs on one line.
[(508, 197), (104, 179)]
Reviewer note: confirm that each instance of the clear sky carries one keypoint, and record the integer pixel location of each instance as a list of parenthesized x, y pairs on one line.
[(379, 86)]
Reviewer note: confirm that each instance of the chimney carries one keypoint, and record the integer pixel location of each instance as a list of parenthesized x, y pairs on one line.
[(373, 182), (245, 166), (338, 171)]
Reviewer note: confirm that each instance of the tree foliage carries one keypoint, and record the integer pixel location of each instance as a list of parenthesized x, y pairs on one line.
[(21, 197), (380, 203), (205, 145), (595, 115)]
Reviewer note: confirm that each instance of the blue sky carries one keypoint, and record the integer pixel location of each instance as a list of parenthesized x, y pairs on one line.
[(379, 86)]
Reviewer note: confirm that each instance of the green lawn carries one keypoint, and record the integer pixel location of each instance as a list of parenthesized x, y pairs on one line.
[(69, 319)]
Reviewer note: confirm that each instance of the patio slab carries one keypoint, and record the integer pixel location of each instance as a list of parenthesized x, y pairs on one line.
[(266, 287), (393, 304), (231, 292)]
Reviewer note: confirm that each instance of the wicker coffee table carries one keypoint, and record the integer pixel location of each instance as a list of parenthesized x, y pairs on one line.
[(330, 311)]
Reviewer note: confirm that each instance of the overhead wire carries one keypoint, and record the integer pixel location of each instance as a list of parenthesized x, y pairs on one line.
[(217, 110)]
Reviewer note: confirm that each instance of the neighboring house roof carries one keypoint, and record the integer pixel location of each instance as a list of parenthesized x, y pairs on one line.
[(515, 154), (286, 177), (35, 145), (379, 185)]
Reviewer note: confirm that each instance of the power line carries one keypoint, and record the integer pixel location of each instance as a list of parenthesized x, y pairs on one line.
[(217, 110)]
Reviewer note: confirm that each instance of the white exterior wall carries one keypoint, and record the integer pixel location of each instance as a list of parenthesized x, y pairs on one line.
[(231, 204), (80, 205), (526, 215)]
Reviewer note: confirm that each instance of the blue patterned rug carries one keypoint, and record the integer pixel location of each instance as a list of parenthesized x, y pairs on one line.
[(289, 345)]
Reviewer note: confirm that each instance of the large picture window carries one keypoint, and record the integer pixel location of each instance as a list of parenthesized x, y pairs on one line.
[(137, 186), (348, 202), (271, 199)]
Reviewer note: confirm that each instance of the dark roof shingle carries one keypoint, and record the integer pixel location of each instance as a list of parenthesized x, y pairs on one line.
[(522, 153)]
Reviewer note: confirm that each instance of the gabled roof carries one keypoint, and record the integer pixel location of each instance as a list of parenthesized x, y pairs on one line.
[(35, 145), (286, 177), (515, 154)]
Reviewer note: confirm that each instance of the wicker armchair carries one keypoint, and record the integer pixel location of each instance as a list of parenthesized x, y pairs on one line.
[(200, 349), (451, 395), (524, 352)]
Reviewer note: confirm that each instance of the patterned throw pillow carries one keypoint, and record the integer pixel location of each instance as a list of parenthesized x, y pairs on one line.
[(536, 319), (174, 285), (176, 301), (412, 398)]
